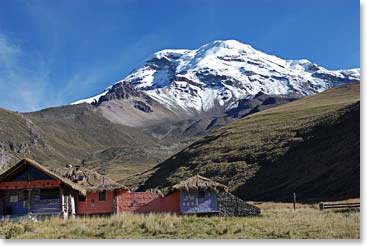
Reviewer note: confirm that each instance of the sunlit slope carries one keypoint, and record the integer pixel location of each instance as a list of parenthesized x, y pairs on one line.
[(309, 146), (76, 134)]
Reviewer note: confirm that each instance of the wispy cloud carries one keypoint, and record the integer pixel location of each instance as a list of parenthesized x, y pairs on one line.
[(21, 87), (8, 53), (92, 79), (29, 82)]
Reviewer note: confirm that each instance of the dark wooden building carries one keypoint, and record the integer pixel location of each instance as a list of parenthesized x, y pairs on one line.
[(30, 188)]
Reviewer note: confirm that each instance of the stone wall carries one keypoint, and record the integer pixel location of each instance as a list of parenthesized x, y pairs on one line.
[(230, 205)]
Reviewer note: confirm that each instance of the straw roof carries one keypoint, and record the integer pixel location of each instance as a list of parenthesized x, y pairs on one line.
[(197, 183), (92, 182)]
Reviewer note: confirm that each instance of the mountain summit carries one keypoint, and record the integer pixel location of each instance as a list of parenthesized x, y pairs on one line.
[(220, 73)]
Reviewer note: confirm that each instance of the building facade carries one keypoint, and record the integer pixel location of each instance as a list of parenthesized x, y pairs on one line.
[(28, 188)]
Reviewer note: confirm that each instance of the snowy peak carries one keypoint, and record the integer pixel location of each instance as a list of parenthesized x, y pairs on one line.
[(220, 73), (168, 54), (226, 47)]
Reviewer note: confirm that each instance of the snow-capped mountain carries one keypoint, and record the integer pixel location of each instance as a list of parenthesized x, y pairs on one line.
[(221, 73)]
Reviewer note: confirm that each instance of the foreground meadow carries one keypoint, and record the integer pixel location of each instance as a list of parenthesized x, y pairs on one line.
[(277, 221)]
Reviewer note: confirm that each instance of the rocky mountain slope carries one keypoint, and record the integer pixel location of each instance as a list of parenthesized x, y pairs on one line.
[(103, 136), (79, 134), (310, 146)]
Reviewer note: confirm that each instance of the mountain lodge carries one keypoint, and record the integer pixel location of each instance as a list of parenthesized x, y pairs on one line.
[(29, 188)]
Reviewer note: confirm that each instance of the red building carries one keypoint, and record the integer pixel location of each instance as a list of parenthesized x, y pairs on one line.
[(148, 202)]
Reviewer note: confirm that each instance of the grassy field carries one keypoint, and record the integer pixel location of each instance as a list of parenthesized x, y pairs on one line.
[(278, 221)]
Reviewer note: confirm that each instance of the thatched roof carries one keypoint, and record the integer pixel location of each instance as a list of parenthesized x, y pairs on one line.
[(197, 183), (92, 181)]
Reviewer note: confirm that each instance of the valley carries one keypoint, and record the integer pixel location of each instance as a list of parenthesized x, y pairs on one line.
[(213, 111)]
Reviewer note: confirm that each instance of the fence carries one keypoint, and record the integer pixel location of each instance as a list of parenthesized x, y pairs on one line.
[(323, 206)]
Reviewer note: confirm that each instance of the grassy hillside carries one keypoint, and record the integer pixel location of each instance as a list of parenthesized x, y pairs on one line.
[(310, 146), (19, 137), (277, 221), (79, 134)]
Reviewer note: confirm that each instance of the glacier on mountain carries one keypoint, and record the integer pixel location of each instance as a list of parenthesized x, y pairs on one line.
[(223, 72)]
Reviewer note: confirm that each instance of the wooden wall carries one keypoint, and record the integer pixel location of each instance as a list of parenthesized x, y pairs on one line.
[(13, 207), (21, 204), (44, 205)]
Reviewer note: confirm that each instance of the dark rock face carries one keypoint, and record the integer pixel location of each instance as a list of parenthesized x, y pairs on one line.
[(335, 79), (142, 106), (122, 91), (313, 67), (119, 91), (260, 102), (230, 205), (125, 90)]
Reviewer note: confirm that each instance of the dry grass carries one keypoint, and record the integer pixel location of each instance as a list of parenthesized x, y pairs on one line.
[(277, 221), (198, 182), (284, 205)]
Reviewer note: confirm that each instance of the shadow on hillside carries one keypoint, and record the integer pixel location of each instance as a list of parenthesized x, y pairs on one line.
[(316, 168)]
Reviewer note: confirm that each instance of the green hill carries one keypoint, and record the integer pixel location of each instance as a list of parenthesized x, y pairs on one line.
[(309, 146)]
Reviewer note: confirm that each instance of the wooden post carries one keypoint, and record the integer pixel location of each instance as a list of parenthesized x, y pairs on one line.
[(29, 201), (1, 205), (64, 205), (294, 201), (72, 205), (321, 206), (115, 202)]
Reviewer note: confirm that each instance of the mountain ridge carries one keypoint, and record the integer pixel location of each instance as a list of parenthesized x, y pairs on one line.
[(218, 74)]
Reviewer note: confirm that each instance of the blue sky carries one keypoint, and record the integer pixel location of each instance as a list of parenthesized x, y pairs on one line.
[(55, 52)]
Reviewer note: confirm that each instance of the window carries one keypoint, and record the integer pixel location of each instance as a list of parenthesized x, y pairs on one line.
[(134, 203), (81, 198), (201, 195), (49, 194), (102, 195), (14, 199), (92, 203)]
